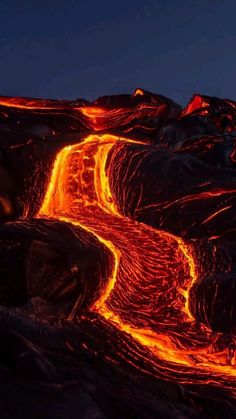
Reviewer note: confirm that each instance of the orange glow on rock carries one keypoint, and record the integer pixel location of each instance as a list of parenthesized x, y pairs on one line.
[(138, 92)]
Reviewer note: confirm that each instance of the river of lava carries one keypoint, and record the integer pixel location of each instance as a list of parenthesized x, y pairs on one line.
[(147, 295)]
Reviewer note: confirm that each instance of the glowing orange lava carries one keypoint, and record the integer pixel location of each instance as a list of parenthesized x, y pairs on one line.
[(147, 294)]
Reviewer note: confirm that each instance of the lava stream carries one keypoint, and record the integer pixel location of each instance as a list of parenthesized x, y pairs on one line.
[(147, 294)]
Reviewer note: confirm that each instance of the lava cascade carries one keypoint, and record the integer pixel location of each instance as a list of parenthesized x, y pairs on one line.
[(103, 179)]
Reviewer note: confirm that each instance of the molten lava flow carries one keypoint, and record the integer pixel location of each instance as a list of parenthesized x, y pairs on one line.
[(147, 293), (92, 115)]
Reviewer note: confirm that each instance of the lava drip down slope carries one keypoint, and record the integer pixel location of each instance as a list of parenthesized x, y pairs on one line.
[(118, 216)]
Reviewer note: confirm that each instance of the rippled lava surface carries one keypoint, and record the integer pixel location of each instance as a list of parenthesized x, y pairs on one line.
[(118, 257)]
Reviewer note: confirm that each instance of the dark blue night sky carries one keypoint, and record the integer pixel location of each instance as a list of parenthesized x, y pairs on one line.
[(74, 48)]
